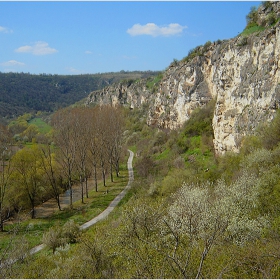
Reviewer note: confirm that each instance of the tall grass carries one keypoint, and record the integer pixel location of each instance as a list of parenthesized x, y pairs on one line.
[(43, 127)]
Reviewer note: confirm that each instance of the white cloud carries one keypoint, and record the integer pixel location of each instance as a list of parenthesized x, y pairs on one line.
[(154, 30), (12, 63), (5, 30), (88, 52), (39, 48)]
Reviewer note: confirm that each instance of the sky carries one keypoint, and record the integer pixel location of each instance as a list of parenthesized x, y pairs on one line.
[(88, 37)]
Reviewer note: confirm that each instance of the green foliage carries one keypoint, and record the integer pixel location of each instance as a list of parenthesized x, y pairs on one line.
[(200, 121), (197, 51), (53, 238), (172, 237), (153, 83), (229, 166), (253, 21), (187, 215), (175, 62), (250, 143), (56, 236), (252, 16), (192, 54), (41, 125), (70, 231), (252, 29), (266, 4), (173, 181), (199, 124), (270, 134), (21, 93), (270, 19), (144, 166)]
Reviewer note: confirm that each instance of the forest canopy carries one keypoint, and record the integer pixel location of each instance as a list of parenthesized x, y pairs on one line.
[(25, 93)]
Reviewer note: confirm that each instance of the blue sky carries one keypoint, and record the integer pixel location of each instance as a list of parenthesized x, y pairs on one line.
[(97, 37)]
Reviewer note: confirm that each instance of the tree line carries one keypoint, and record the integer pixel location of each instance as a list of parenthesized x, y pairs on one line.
[(25, 93), (84, 142)]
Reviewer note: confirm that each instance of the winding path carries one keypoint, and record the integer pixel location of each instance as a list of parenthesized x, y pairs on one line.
[(103, 214), (117, 199)]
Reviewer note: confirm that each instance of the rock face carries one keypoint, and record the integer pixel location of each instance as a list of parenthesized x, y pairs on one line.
[(242, 74)]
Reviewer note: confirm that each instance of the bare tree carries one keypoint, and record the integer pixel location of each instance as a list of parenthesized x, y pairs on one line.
[(93, 143), (114, 137), (65, 137), (101, 140), (81, 125)]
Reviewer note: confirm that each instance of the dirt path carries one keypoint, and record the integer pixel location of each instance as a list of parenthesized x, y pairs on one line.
[(48, 208), (117, 199), (108, 210)]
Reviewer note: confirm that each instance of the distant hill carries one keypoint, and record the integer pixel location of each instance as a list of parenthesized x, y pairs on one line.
[(24, 92)]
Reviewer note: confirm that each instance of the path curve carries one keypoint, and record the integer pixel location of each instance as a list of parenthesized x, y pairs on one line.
[(109, 209), (102, 215), (117, 199)]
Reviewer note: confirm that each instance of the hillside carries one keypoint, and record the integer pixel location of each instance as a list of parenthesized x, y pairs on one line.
[(242, 74), (204, 202), (23, 93)]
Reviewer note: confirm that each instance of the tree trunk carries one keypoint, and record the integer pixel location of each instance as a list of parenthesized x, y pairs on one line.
[(58, 202), (86, 180), (33, 211), (117, 168), (1, 224), (82, 187), (1, 218), (111, 171), (104, 179), (71, 194), (95, 178)]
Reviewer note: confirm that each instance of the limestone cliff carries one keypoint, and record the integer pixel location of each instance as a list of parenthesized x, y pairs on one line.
[(242, 74)]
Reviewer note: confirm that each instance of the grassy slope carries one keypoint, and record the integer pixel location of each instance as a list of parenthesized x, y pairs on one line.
[(43, 127)]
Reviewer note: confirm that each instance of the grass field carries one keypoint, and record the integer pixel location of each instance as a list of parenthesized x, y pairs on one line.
[(43, 127)]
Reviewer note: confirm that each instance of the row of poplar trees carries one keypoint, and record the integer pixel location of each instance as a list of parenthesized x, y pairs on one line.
[(85, 142)]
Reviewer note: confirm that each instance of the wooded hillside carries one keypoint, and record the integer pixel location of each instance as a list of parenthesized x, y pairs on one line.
[(23, 93)]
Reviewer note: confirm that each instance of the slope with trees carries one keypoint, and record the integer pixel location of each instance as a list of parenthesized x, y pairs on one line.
[(189, 213), (24, 93)]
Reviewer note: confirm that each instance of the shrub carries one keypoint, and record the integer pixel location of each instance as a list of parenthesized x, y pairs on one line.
[(270, 134), (70, 231), (58, 237), (53, 238), (144, 166), (250, 144), (220, 211), (271, 18), (206, 46), (152, 84), (252, 17)]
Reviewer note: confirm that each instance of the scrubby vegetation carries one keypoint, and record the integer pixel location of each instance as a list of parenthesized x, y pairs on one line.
[(197, 51), (153, 83), (257, 24), (189, 213)]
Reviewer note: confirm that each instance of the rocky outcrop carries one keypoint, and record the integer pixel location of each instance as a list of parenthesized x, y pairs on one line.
[(242, 74)]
